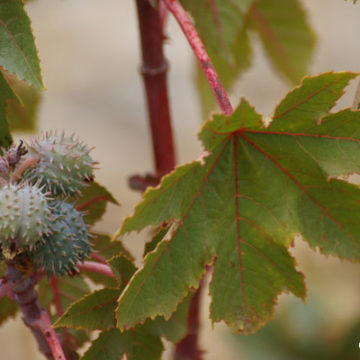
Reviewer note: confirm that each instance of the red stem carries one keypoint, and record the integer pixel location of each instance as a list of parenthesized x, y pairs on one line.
[(35, 317), (52, 338), (198, 47), (188, 347), (154, 70), (92, 201), (59, 308), (96, 267), (55, 289), (98, 258)]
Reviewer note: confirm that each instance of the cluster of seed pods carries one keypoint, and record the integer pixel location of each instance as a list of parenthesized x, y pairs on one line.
[(37, 220)]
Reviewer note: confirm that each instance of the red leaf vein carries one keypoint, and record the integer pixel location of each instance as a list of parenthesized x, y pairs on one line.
[(302, 187)]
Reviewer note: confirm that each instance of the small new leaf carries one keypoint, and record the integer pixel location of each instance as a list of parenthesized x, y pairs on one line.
[(95, 311), (94, 200), (242, 206)]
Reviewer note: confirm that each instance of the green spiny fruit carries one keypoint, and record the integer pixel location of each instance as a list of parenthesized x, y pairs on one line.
[(25, 215), (59, 252), (65, 164)]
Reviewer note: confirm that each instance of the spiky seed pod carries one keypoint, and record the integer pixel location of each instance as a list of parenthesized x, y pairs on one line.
[(65, 164), (25, 215), (59, 253)]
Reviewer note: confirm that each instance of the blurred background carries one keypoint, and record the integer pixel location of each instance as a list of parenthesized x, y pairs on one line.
[(89, 54)]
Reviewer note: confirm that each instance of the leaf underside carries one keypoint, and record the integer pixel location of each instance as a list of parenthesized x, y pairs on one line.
[(225, 27), (241, 207)]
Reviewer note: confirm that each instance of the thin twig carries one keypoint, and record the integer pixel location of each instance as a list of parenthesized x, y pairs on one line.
[(55, 290), (92, 201), (96, 267), (198, 47)]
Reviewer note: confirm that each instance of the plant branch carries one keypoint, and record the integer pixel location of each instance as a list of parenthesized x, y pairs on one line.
[(6, 289), (154, 69), (36, 318), (44, 325), (203, 58), (96, 267)]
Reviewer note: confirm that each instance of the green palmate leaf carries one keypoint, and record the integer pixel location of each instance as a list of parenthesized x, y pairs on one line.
[(285, 34), (23, 116), (114, 345), (95, 311), (17, 47), (5, 94), (93, 200), (307, 104), (173, 329), (176, 328), (241, 207)]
